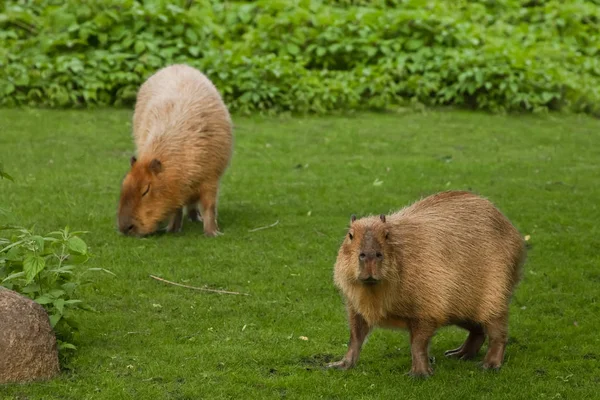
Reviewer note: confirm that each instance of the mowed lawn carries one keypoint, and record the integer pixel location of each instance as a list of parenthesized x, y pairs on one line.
[(150, 340)]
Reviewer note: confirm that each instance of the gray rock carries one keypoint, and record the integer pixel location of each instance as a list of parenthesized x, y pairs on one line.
[(28, 349)]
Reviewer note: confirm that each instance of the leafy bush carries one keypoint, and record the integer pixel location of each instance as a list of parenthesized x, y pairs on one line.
[(47, 269), (308, 55)]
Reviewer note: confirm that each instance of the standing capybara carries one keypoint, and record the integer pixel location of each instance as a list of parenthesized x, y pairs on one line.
[(183, 134), (449, 259)]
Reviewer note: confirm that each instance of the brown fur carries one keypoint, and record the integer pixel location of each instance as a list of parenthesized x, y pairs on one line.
[(449, 259), (183, 134)]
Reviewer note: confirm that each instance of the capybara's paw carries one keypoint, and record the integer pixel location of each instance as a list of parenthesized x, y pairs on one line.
[(460, 354), (420, 373), (491, 365), (174, 229), (194, 215), (342, 364), (213, 233)]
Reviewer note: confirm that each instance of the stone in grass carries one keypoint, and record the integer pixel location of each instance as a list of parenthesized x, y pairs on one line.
[(28, 350)]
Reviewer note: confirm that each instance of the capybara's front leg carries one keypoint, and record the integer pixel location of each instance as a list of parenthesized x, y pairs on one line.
[(420, 335), (176, 221), (359, 330), (208, 199)]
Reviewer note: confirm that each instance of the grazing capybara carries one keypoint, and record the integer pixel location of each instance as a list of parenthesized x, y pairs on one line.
[(183, 134), (449, 259)]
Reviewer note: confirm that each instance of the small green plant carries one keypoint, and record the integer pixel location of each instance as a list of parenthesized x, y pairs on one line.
[(48, 269)]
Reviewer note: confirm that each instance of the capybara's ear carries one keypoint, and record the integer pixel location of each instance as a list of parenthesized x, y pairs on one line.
[(382, 218), (155, 166), (352, 218), (132, 160)]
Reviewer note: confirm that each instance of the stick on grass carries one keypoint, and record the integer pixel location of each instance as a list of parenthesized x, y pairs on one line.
[(264, 227), (197, 288)]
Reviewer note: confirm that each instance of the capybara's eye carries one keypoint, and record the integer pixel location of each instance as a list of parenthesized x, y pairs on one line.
[(350, 235), (362, 256), (146, 191), (379, 255)]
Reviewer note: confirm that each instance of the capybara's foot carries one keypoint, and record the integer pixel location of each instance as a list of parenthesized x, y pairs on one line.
[(491, 365), (470, 348), (461, 353), (212, 233), (420, 373), (343, 364), (194, 215), (211, 229)]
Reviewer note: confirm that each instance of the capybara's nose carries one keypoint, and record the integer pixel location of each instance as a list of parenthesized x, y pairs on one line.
[(125, 226)]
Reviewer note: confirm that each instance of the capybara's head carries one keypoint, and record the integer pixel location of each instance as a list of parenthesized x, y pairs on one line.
[(365, 250), (143, 203)]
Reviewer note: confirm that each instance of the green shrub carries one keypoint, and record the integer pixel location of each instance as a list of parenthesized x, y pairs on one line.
[(308, 56), (48, 269)]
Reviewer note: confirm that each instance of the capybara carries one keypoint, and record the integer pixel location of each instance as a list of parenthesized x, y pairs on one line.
[(449, 259), (183, 134)]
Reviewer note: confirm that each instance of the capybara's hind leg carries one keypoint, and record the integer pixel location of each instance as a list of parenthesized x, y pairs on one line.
[(359, 330), (497, 331), (194, 214), (193, 210), (176, 221), (420, 335), (208, 199), (472, 344)]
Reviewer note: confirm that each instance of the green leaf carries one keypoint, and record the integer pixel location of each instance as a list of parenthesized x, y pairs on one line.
[(33, 265), (44, 299), (56, 293), (77, 245), (39, 241), (413, 44), (54, 318), (10, 246), (139, 47), (69, 287), (14, 254), (65, 345), (293, 49), (191, 35), (59, 304), (13, 276), (102, 269), (31, 288)]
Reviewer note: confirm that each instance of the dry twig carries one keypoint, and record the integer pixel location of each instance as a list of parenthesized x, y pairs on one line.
[(264, 227), (197, 288)]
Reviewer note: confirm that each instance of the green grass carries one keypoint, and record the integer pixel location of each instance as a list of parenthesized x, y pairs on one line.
[(150, 340)]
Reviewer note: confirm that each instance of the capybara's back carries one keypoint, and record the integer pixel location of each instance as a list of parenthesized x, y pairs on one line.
[(464, 253), (183, 134), (451, 258)]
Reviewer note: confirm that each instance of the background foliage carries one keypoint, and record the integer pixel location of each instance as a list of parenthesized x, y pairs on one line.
[(308, 56)]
